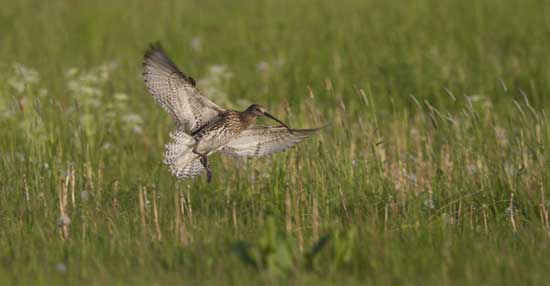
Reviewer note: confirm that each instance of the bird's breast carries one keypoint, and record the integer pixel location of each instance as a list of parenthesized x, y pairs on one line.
[(218, 133)]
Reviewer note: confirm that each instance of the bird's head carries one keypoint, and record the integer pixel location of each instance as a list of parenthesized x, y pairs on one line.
[(257, 110)]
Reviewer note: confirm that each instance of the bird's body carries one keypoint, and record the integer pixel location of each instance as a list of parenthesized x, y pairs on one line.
[(204, 128), (220, 131)]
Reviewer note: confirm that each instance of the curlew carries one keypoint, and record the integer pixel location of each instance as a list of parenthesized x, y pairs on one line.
[(202, 127)]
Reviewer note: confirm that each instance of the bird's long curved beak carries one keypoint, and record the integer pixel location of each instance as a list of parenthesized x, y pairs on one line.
[(274, 118)]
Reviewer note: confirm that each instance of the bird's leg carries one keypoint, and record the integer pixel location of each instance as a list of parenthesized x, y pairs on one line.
[(204, 162)]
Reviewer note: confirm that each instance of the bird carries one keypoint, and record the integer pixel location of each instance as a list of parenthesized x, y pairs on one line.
[(204, 128)]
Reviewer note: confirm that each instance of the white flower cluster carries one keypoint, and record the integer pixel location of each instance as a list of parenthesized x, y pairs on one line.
[(24, 81), (196, 44), (23, 77), (87, 87), (215, 84), (88, 90), (266, 68)]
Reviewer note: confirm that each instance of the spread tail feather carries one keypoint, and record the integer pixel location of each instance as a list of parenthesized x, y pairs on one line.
[(184, 163)]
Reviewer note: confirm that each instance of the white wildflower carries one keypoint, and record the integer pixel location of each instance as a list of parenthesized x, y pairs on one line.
[(17, 84), (87, 120), (63, 220), (84, 196), (22, 77), (279, 63), (89, 78), (269, 67), (472, 169), (475, 98), (196, 43), (42, 92), (121, 96), (410, 176), (60, 267), (215, 83), (110, 114), (71, 72), (243, 102), (132, 119), (28, 75), (90, 90), (137, 129), (21, 156), (107, 146), (262, 67), (94, 102), (414, 132), (220, 71), (105, 70), (429, 204), (509, 169)]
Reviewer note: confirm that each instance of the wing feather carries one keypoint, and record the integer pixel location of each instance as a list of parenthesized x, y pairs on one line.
[(176, 92), (260, 141)]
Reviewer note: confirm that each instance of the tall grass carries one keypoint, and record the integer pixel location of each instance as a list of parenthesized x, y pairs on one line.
[(433, 168)]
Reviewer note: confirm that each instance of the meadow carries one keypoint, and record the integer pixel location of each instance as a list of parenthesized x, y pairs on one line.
[(434, 168)]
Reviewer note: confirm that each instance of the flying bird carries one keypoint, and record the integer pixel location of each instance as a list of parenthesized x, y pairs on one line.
[(202, 127)]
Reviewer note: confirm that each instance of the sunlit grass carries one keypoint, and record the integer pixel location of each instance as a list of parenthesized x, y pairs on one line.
[(432, 169)]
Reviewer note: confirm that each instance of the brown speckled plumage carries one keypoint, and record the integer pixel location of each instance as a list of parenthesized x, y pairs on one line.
[(203, 127)]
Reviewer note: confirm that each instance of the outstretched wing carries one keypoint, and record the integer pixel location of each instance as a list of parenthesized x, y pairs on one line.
[(265, 140), (176, 92)]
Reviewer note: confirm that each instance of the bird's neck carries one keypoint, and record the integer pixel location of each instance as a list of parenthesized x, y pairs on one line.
[(247, 119)]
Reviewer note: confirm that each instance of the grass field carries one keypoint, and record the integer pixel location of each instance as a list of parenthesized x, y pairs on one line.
[(434, 170)]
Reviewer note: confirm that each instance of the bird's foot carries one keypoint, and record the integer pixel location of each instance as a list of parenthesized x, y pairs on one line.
[(204, 161), (208, 175)]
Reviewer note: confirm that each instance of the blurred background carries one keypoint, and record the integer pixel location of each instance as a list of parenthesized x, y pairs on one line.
[(433, 169)]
